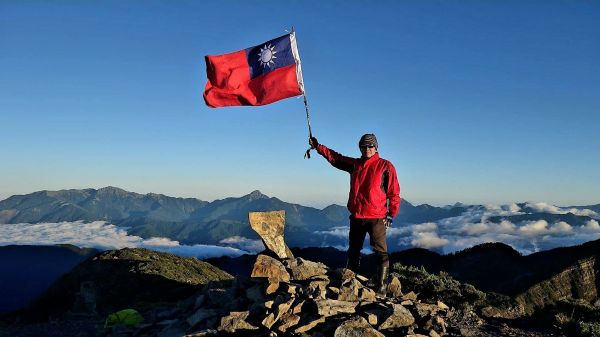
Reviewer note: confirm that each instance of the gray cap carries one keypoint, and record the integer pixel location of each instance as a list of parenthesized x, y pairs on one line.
[(368, 139)]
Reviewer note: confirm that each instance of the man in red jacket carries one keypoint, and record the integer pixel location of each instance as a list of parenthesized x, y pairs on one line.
[(373, 202)]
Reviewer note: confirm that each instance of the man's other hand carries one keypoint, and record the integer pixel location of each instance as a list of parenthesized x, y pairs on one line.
[(388, 221), (313, 142)]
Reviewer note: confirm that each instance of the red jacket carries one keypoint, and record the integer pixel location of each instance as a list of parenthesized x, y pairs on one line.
[(373, 182)]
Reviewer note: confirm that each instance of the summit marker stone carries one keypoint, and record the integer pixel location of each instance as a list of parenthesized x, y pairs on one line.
[(269, 226)]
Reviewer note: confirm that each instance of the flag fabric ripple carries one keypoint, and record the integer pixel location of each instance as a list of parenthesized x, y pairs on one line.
[(258, 75)]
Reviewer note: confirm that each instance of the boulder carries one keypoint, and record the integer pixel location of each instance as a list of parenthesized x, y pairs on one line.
[(201, 315), (372, 317), (394, 289), (328, 307), (425, 310), (270, 268), (433, 333), (287, 321), (411, 296), (269, 226), (235, 321), (308, 324), (317, 289), (366, 294), (302, 269), (280, 310), (356, 327), (398, 316), (349, 291)]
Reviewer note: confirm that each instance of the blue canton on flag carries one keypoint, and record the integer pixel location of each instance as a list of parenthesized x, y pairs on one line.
[(269, 56)]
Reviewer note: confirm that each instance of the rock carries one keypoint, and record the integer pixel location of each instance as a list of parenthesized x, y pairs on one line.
[(425, 310), (291, 289), (317, 289), (362, 278), (200, 315), (85, 299), (287, 321), (235, 321), (279, 311), (272, 286), (269, 321), (168, 313), (366, 294), (343, 275), (199, 301), (442, 306), (203, 333), (416, 335), (394, 289), (309, 324), (176, 329), (297, 308), (440, 324), (468, 332), (220, 297), (372, 318), (432, 333), (349, 291), (334, 291), (411, 296), (329, 307), (270, 268), (255, 293), (398, 317), (356, 327), (302, 269), (269, 226)]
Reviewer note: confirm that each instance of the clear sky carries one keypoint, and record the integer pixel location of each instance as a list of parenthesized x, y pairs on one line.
[(473, 101)]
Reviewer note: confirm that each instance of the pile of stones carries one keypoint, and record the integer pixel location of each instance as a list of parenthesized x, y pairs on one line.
[(300, 297), (288, 296)]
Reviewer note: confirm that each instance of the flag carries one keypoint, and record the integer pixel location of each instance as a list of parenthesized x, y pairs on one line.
[(258, 75)]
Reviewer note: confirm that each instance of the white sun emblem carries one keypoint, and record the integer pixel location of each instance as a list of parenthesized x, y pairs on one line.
[(267, 55)]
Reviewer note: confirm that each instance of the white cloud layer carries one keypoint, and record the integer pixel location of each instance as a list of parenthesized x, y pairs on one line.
[(446, 235), (99, 234), (474, 227), (547, 208)]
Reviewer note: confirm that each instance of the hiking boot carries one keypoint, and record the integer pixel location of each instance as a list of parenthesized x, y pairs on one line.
[(382, 283)]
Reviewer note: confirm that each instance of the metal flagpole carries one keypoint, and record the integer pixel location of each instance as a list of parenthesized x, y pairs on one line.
[(307, 153)]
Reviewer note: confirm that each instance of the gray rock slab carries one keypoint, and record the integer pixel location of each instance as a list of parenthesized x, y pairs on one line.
[(398, 317), (356, 327), (270, 226)]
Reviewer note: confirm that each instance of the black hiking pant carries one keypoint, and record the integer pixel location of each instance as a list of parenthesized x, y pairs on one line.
[(358, 230)]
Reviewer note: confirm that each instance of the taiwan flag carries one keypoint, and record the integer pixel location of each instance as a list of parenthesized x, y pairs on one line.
[(257, 75)]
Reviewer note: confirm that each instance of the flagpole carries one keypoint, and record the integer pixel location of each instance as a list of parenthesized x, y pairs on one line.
[(307, 153)]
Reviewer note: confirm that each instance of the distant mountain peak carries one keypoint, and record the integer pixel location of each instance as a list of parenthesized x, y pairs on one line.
[(112, 189), (255, 195)]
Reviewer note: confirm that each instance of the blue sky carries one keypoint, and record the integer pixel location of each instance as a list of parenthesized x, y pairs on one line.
[(473, 101)]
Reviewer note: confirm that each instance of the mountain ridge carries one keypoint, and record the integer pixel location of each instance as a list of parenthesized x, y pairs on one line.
[(187, 220)]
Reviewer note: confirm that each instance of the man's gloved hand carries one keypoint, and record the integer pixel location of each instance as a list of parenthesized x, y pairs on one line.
[(388, 221), (313, 142)]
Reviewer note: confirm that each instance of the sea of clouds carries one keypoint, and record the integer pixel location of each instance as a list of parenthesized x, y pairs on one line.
[(105, 236), (473, 227), (445, 236)]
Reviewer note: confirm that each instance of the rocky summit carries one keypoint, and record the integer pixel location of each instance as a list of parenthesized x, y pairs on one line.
[(297, 297), (283, 296)]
